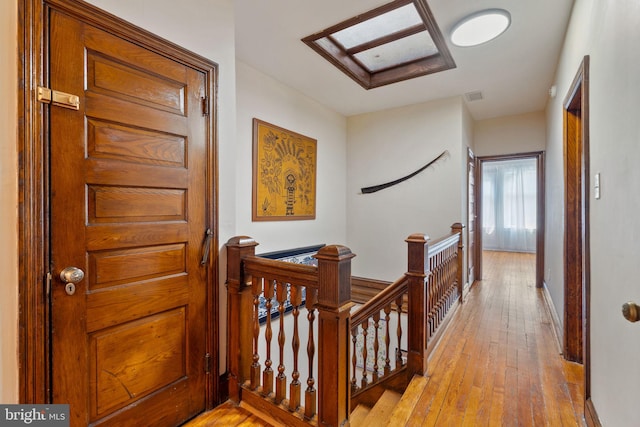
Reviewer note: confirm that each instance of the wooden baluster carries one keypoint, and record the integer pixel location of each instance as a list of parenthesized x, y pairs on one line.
[(418, 251), (446, 286), (387, 340), (281, 378), (439, 288), (451, 288), (399, 302), (431, 298), (354, 358), (255, 366), (334, 325), (376, 345), (310, 392), (239, 303), (452, 263), (457, 228), (453, 271), (267, 374), (294, 387), (365, 332)]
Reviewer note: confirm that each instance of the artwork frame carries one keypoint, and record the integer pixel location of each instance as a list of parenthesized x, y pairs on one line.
[(284, 174)]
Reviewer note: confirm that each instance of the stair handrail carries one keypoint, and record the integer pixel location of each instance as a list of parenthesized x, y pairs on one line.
[(382, 298), (413, 292), (330, 287), (329, 283)]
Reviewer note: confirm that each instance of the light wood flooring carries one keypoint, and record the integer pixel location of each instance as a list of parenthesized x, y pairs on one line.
[(498, 364)]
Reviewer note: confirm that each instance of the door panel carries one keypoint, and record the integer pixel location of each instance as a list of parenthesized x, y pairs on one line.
[(129, 207)]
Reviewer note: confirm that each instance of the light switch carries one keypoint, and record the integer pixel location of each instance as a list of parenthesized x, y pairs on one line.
[(596, 185)]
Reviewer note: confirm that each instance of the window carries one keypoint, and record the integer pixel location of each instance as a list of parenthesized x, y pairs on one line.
[(395, 42), (509, 200)]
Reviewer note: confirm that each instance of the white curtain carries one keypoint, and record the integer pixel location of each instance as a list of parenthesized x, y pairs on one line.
[(509, 205)]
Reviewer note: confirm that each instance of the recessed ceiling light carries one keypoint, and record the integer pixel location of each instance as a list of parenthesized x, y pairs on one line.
[(480, 27)]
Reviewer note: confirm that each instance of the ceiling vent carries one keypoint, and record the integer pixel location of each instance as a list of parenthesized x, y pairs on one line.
[(473, 96)]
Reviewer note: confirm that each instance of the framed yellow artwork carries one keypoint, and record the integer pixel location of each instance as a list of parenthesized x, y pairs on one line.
[(284, 174)]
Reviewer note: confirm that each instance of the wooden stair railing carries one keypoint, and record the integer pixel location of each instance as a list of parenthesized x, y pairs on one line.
[(420, 303), (425, 296), (445, 282), (262, 383)]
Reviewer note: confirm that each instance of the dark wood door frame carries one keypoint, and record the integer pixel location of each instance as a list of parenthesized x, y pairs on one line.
[(540, 208), (33, 227), (576, 199), (474, 251), (577, 273)]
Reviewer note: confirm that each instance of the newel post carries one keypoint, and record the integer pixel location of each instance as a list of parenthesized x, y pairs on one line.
[(417, 272), (239, 314), (457, 228), (334, 334)]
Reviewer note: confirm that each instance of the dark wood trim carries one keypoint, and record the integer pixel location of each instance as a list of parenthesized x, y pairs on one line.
[(386, 39), (363, 289), (33, 344), (586, 259), (540, 206), (388, 7), (33, 241), (478, 235), (475, 254), (577, 287), (223, 387), (329, 48), (590, 415), (573, 244), (286, 253), (541, 221)]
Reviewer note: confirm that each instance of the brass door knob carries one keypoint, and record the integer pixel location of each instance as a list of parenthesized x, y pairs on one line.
[(631, 311)]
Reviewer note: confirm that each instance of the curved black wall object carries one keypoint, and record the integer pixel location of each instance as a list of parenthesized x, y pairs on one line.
[(374, 188)]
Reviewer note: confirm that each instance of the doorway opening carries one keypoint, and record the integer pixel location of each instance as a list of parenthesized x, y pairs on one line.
[(576, 229), (511, 207)]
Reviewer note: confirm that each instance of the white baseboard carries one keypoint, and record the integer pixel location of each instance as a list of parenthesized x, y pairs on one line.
[(553, 314)]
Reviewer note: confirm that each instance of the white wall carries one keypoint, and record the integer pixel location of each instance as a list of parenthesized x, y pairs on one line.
[(9, 203), (260, 96), (390, 144), (209, 32), (522, 133), (608, 31)]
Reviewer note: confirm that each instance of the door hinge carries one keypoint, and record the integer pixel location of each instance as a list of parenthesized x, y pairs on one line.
[(61, 99), (205, 106), (207, 363)]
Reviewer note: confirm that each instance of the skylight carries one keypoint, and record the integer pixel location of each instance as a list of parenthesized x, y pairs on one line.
[(395, 42)]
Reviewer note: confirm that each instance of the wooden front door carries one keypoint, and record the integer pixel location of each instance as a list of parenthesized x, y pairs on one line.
[(129, 208)]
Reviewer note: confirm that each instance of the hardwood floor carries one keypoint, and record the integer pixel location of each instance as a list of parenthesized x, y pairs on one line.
[(228, 414), (497, 365)]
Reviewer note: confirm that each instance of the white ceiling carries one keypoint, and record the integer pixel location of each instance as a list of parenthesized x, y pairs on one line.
[(514, 71)]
